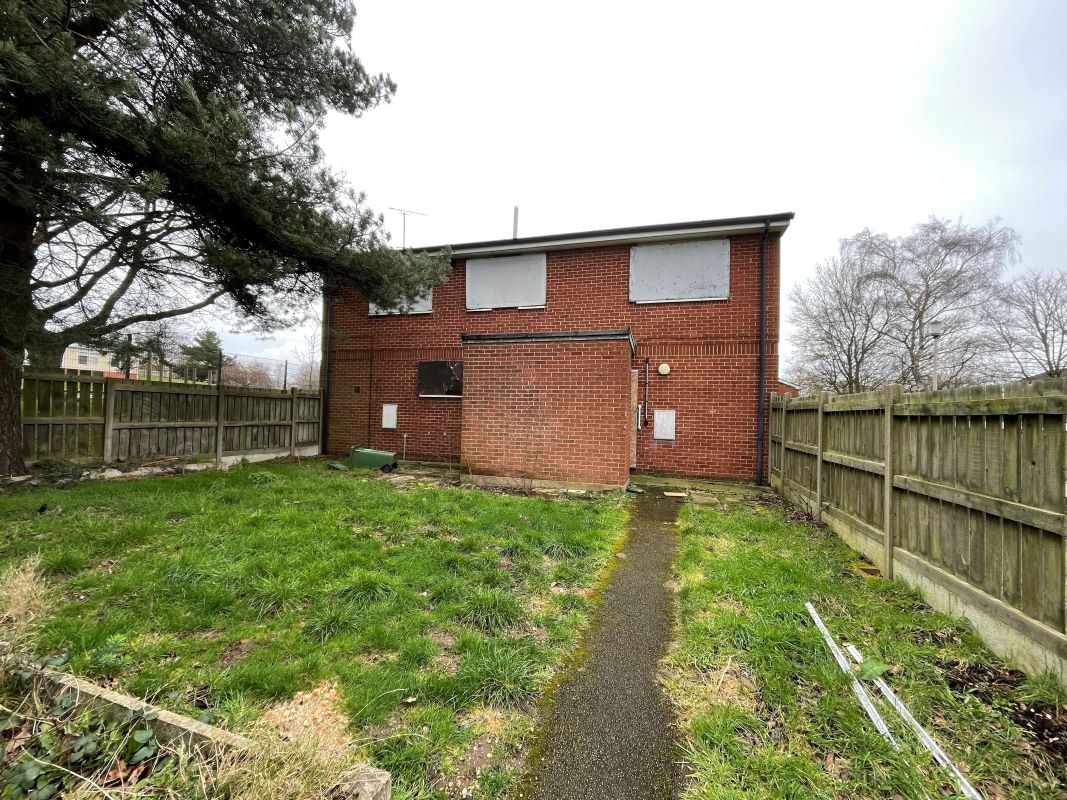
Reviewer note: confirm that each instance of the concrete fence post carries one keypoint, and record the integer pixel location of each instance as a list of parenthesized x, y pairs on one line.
[(892, 394)]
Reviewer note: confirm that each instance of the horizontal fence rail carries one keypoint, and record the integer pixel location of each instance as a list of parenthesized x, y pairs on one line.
[(970, 483), (92, 418)]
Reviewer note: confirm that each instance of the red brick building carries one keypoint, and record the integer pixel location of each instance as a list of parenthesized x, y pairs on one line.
[(576, 357)]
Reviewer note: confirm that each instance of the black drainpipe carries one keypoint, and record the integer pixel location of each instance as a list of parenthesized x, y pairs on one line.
[(761, 414), (327, 353)]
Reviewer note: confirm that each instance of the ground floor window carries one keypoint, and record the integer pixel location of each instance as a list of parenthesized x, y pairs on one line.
[(440, 378)]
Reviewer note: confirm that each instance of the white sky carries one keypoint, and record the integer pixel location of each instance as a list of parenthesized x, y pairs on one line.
[(606, 114)]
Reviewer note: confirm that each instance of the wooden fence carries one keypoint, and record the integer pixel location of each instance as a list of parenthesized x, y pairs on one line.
[(971, 485), (85, 418)]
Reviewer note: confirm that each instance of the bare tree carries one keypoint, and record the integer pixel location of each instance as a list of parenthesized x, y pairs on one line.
[(945, 271), (308, 358), (841, 318), (863, 319), (1030, 323)]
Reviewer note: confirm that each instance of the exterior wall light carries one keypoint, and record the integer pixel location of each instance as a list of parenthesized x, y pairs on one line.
[(664, 368)]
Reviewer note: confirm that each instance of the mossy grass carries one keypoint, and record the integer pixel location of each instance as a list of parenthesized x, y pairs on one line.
[(418, 602), (765, 711)]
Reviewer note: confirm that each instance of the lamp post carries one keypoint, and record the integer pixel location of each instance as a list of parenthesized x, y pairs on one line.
[(936, 329)]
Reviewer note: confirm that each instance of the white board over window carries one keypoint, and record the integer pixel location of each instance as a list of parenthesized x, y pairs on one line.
[(507, 282), (680, 271), (422, 305), (663, 424)]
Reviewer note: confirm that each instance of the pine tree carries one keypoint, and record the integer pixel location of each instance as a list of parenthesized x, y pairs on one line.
[(159, 157)]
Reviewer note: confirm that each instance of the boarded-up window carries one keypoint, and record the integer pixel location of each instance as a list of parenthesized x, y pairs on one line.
[(665, 273), (440, 379), (508, 282), (423, 305)]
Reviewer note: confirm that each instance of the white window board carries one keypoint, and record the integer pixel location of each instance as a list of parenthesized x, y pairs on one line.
[(680, 271), (507, 282), (422, 305), (389, 415), (663, 424)]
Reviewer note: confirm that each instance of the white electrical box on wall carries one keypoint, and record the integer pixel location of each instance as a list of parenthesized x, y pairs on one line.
[(663, 424), (389, 415)]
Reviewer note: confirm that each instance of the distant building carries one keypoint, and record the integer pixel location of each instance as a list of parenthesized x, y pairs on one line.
[(77, 357), (787, 388)]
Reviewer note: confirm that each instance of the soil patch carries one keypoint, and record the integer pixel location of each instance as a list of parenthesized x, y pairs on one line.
[(313, 715), (235, 652), (1047, 725)]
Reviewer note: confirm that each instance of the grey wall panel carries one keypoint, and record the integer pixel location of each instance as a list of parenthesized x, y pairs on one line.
[(680, 271), (506, 282)]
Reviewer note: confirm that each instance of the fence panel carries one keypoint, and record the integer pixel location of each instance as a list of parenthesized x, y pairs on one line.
[(62, 417), (976, 487), (93, 418)]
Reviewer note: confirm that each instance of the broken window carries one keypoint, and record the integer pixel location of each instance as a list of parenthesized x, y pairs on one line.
[(440, 379)]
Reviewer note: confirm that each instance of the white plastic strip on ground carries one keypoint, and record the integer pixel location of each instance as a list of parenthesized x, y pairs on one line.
[(928, 741), (857, 687)]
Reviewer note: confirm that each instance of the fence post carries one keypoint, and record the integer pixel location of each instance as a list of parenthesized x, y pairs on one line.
[(892, 393), (292, 420), (818, 454), (109, 418), (220, 422), (785, 436), (770, 438)]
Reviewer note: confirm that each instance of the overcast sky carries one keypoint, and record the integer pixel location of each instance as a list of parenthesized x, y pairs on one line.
[(595, 115)]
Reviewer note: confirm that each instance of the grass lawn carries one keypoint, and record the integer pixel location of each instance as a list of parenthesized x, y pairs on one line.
[(438, 613), (766, 712)]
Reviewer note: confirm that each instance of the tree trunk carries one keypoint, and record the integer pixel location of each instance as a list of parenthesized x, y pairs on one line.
[(18, 220), (11, 460)]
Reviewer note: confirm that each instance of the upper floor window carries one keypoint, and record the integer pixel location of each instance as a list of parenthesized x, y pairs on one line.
[(680, 272), (507, 282), (422, 305)]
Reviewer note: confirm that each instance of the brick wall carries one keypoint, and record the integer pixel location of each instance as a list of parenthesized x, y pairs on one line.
[(550, 410), (712, 348)]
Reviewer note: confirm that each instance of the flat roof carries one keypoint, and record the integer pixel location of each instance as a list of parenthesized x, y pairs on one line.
[(669, 232)]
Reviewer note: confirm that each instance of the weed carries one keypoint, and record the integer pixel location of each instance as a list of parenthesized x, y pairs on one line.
[(491, 609), (499, 673), (328, 621)]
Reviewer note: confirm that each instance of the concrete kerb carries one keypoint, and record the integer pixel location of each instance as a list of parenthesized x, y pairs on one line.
[(178, 730)]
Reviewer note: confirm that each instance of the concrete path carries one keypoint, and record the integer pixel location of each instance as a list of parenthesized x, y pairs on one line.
[(608, 733)]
